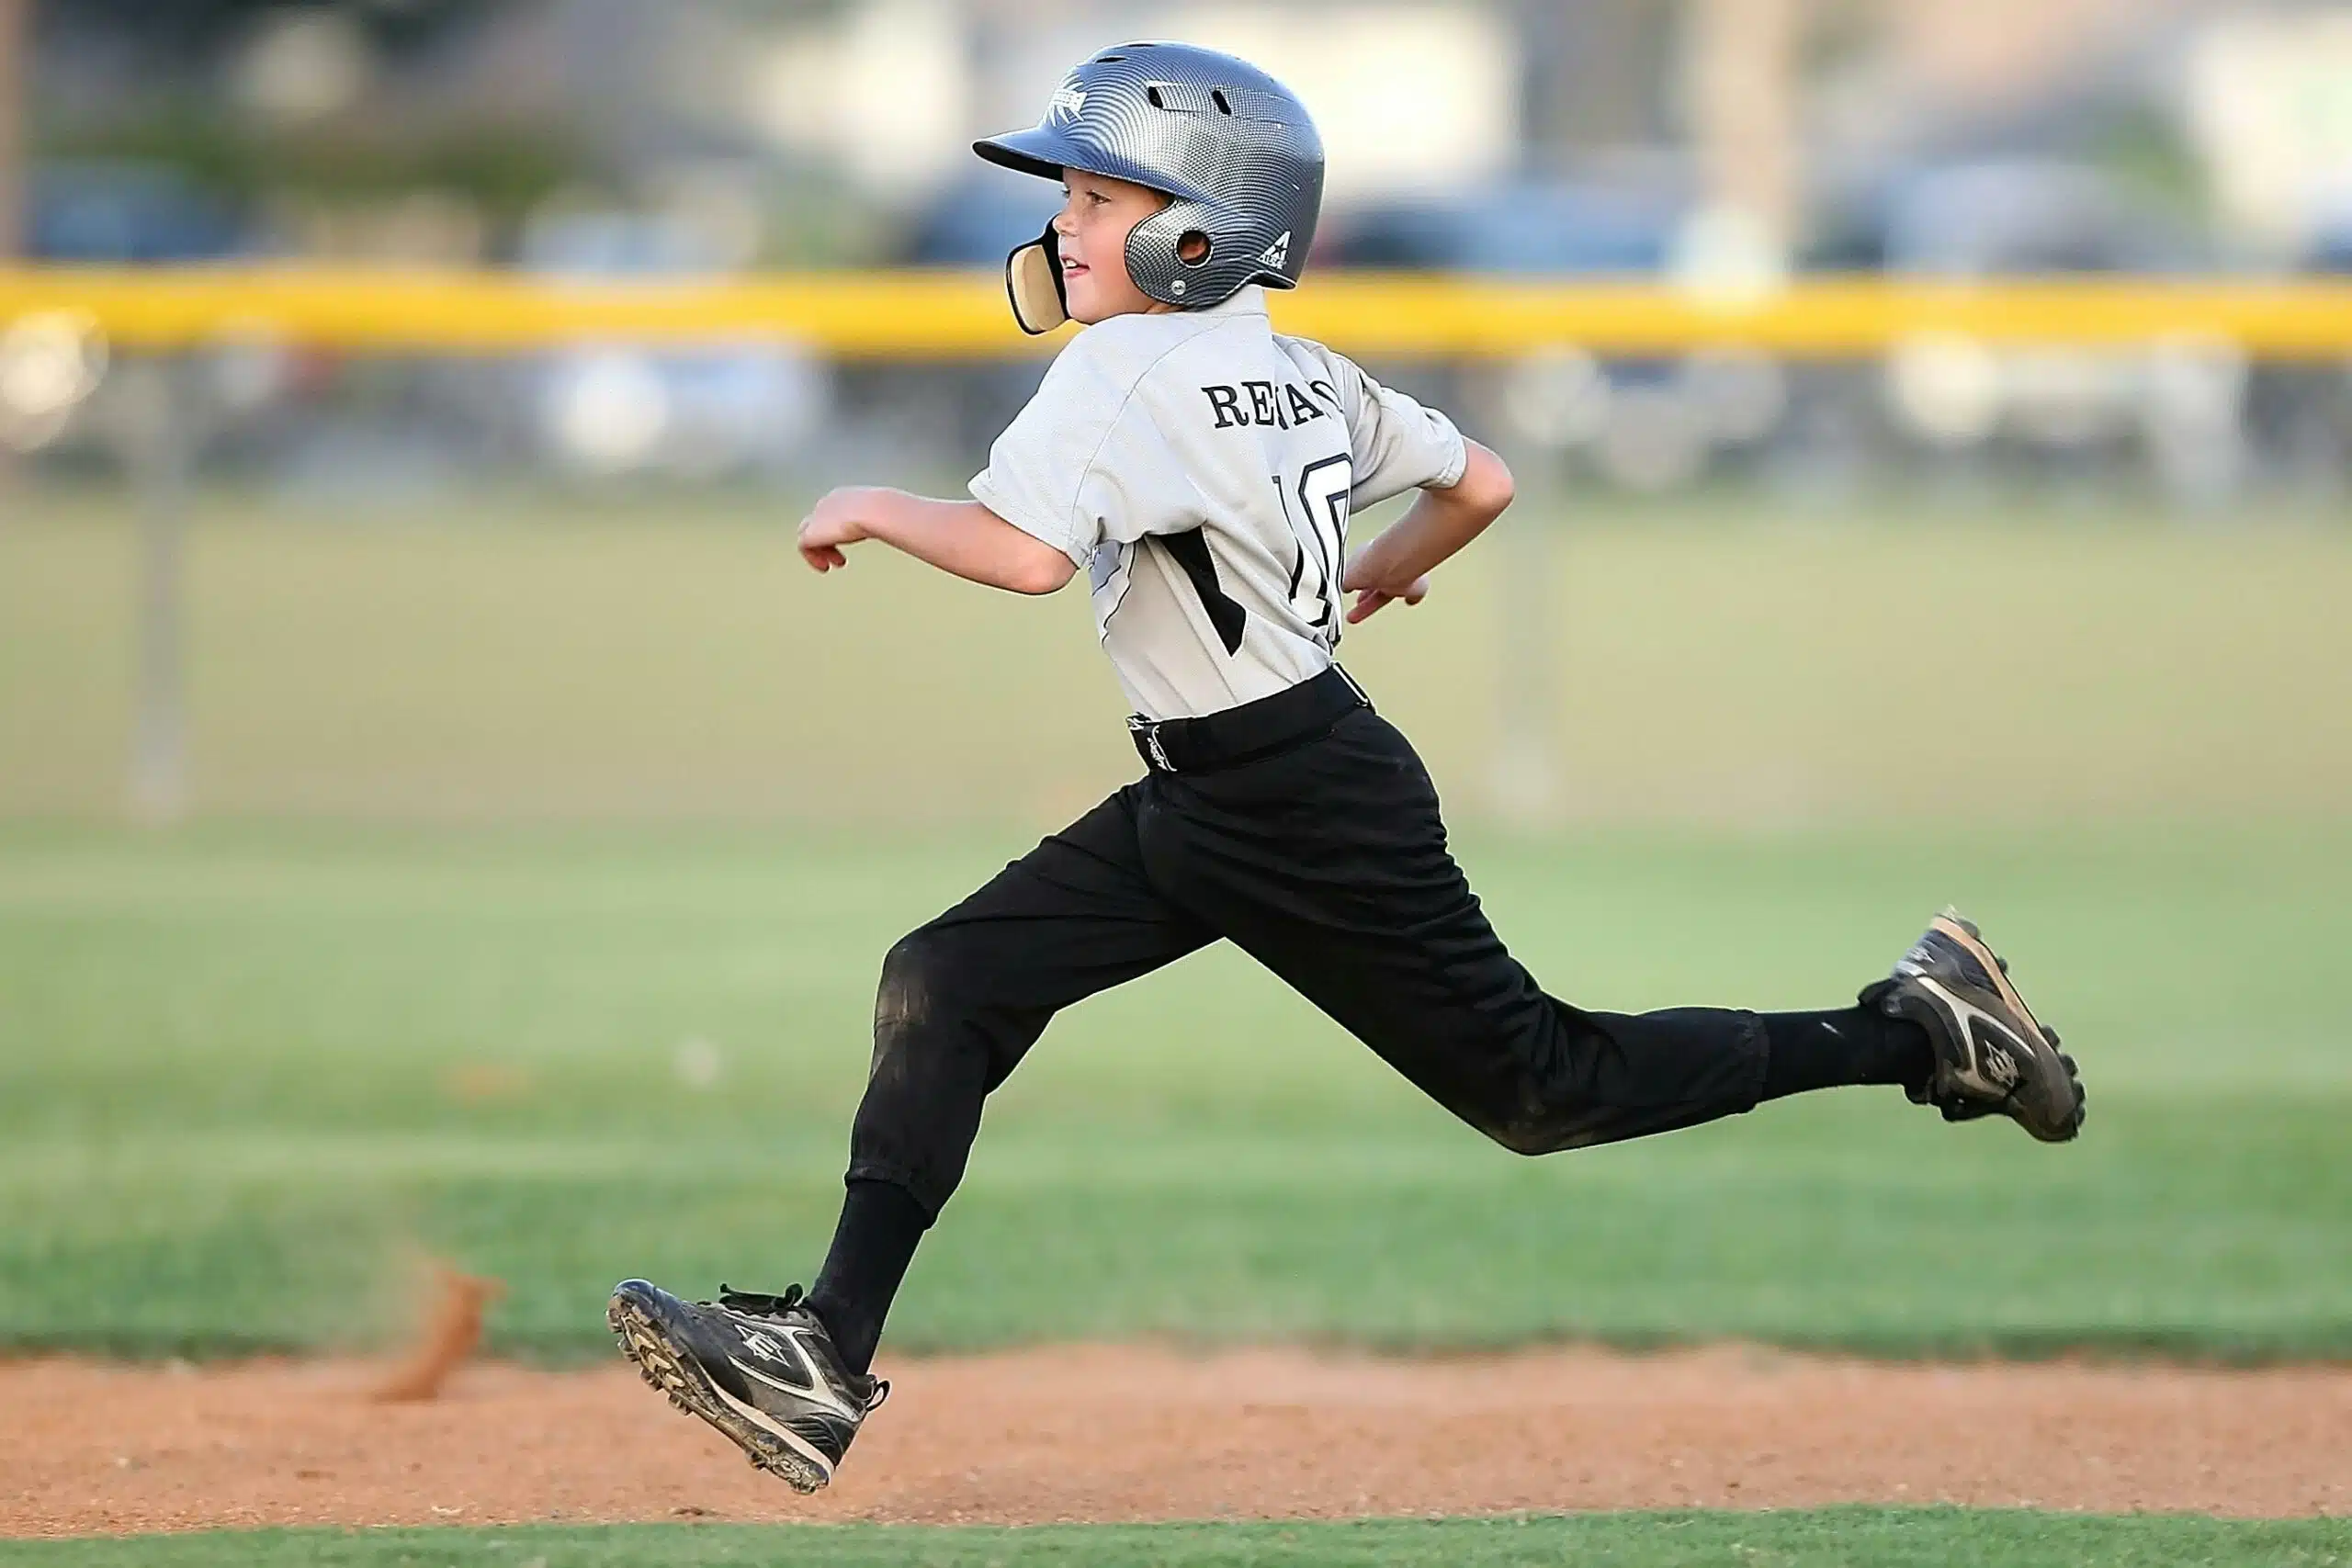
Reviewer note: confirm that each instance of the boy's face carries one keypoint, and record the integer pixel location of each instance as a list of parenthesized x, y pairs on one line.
[(1096, 215)]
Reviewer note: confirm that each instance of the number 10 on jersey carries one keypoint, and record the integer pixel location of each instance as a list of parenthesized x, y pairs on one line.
[(1316, 510)]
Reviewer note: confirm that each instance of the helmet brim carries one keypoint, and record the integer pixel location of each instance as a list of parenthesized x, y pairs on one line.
[(1046, 152)]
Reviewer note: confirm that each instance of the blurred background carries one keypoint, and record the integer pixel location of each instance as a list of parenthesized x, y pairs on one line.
[(431, 582), (438, 808)]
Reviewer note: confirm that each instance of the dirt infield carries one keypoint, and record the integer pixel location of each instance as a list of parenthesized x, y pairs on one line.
[(1112, 1433)]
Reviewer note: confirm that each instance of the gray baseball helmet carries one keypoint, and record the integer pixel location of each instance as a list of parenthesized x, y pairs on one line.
[(1233, 148)]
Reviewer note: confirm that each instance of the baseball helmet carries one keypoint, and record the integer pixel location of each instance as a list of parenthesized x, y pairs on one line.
[(1233, 148)]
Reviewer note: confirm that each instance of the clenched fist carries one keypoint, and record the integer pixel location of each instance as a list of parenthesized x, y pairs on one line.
[(836, 520)]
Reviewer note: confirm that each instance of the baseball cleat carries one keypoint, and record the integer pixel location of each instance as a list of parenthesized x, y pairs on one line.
[(1992, 1056), (761, 1368)]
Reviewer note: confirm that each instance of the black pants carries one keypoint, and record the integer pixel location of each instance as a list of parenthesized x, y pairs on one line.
[(1327, 863)]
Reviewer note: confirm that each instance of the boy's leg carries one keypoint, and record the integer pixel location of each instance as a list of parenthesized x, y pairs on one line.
[(1805, 1051), (787, 1378), (1328, 864), (961, 1001)]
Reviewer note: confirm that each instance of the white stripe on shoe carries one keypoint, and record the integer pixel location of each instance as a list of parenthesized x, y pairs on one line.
[(776, 1429)]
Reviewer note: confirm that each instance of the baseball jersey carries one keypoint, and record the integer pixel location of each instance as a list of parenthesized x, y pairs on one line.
[(1201, 469)]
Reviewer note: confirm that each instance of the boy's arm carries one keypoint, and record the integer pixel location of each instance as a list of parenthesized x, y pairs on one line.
[(961, 536), (1440, 522)]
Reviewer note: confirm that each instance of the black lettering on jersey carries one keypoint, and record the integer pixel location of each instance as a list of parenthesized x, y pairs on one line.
[(1282, 405), (1261, 404), (1191, 552), (1326, 391)]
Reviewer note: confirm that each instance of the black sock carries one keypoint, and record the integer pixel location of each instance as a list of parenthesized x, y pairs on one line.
[(881, 1225), (1853, 1045)]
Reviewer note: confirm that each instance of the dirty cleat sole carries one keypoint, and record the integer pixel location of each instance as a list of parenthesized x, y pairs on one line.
[(670, 1368)]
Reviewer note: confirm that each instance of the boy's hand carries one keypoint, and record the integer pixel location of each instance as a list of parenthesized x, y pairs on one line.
[(1370, 600), (835, 521)]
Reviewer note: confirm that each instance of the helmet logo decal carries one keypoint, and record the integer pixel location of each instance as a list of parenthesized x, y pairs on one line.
[(1278, 253), (1066, 102)]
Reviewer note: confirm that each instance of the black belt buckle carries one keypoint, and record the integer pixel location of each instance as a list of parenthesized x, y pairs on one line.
[(1145, 732)]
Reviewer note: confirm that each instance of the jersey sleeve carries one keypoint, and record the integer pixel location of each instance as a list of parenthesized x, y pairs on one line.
[(1083, 464), (1397, 444)]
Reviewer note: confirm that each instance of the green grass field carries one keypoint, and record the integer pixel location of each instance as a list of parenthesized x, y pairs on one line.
[(1829, 1537), (542, 869), (258, 1065), (1731, 664)]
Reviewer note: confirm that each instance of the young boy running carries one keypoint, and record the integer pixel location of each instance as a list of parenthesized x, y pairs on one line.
[(1201, 469)]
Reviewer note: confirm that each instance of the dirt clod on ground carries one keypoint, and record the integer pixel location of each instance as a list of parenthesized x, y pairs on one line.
[(449, 1325), (1127, 1433)]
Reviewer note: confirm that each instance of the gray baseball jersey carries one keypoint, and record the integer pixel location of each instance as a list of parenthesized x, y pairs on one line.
[(1201, 467)]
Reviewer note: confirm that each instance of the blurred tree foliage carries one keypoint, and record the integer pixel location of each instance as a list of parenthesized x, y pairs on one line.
[(499, 166), (502, 170)]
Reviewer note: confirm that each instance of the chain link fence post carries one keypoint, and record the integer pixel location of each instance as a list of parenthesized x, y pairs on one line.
[(156, 444)]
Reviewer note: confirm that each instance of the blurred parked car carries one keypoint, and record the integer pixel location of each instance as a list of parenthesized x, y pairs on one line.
[(609, 410), (2302, 411), (56, 367), (1643, 423), (955, 411), (126, 214), (977, 221), (2176, 403)]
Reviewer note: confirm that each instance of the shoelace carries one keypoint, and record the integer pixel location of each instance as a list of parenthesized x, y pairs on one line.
[(757, 1303)]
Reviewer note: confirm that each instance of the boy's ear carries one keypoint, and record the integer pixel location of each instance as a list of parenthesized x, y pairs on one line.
[(1033, 280)]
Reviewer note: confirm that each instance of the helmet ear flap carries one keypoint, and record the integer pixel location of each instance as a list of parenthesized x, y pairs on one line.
[(1034, 282)]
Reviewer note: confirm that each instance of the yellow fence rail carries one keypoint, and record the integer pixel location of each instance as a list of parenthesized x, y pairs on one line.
[(960, 315)]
